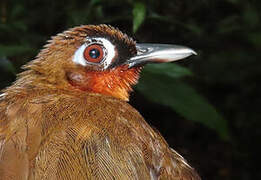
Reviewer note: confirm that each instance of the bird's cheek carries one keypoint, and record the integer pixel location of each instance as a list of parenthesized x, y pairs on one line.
[(78, 80)]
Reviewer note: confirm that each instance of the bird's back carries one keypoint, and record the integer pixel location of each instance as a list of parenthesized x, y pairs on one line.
[(60, 135)]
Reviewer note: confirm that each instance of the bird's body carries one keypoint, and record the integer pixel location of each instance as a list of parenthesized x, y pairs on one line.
[(58, 122)]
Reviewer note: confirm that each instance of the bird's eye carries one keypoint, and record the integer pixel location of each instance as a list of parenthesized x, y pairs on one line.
[(97, 52), (93, 53)]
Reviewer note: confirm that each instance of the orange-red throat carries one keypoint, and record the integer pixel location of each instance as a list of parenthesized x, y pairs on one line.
[(116, 82)]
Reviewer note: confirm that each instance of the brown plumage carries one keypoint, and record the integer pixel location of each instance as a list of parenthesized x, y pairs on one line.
[(63, 120)]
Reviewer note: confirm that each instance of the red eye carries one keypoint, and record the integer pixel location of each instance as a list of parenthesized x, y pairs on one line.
[(93, 53)]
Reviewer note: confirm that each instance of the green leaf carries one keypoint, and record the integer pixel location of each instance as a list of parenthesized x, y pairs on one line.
[(251, 16), (12, 50), (93, 2), (183, 99), (169, 69), (229, 25), (139, 12), (233, 1), (196, 29), (17, 11), (255, 38), (7, 65)]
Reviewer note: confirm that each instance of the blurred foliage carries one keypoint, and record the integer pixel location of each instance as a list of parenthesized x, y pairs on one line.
[(138, 12), (225, 33), (159, 83)]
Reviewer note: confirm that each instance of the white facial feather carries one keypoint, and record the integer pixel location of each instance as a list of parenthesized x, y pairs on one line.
[(78, 56), (108, 48)]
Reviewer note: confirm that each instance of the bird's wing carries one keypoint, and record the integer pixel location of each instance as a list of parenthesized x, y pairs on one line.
[(20, 136), (178, 168), (166, 163), (13, 158)]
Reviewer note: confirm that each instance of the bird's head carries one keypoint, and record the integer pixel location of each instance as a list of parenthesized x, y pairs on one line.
[(98, 59)]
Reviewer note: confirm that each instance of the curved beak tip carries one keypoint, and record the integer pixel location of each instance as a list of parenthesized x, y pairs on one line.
[(180, 53), (194, 52)]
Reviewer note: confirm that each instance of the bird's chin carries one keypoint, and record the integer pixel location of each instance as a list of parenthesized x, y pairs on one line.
[(116, 82)]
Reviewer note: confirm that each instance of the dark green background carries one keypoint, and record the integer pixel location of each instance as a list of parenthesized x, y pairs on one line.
[(207, 106)]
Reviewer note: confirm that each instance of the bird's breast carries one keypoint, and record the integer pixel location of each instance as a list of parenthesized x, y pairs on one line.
[(92, 138)]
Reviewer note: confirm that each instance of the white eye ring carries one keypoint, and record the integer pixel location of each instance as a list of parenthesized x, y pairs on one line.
[(109, 53)]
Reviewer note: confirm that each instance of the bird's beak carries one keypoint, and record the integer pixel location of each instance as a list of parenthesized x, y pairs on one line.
[(158, 53)]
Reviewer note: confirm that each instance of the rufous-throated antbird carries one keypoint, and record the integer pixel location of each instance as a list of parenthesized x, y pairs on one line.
[(67, 117)]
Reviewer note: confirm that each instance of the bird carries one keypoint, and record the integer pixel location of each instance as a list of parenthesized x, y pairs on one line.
[(67, 114)]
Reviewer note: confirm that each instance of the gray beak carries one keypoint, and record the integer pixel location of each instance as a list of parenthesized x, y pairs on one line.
[(158, 53)]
